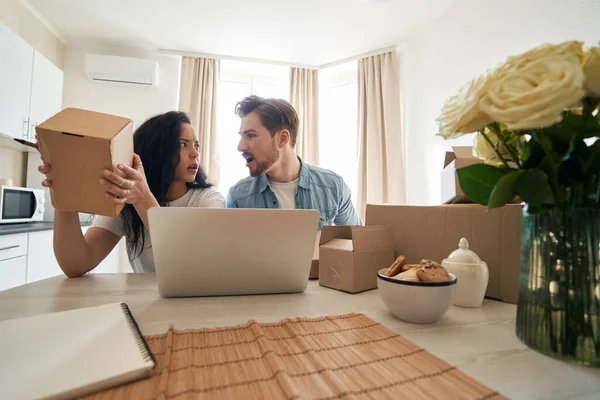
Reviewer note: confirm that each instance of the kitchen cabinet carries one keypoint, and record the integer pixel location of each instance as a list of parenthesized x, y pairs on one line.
[(16, 66), (42, 264), (13, 272), (13, 260), (46, 92), (31, 86)]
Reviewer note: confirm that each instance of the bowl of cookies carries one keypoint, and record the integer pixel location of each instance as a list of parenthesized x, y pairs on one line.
[(418, 293)]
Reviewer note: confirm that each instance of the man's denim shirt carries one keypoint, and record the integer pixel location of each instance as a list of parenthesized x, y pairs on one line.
[(318, 189)]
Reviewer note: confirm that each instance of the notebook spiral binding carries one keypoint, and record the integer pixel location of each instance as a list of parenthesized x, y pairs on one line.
[(139, 338)]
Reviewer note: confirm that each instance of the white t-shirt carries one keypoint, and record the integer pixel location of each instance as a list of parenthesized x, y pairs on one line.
[(204, 198), (285, 193)]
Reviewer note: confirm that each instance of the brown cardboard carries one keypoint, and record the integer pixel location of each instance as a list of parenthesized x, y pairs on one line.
[(461, 156), (79, 145), (433, 232), (314, 266), (350, 256)]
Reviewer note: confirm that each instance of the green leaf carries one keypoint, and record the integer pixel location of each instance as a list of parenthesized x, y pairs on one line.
[(584, 124), (533, 188), (505, 190), (478, 181)]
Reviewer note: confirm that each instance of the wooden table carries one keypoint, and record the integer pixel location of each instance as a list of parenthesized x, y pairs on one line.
[(479, 341)]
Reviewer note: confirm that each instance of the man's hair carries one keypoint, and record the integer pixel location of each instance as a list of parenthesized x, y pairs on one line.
[(275, 114)]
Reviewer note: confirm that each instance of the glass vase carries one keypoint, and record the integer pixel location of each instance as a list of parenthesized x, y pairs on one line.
[(558, 312)]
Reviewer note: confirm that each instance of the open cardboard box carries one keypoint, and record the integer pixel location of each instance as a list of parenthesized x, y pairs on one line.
[(350, 256), (79, 145), (461, 156), (314, 266), (433, 232)]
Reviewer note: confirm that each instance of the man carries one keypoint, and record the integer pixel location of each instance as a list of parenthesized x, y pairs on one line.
[(278, 178)]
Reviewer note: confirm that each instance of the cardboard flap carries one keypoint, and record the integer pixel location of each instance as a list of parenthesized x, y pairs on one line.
[(463, 152), (332, 232), (316, 248), (449, 158), (339, 244), (372, 237), (85, 123)]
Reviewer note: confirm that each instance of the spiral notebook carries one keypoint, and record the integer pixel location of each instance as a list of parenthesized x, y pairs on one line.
[(71, 353)]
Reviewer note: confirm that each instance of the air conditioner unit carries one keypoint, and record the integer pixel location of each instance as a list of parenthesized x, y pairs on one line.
[(136, 71)]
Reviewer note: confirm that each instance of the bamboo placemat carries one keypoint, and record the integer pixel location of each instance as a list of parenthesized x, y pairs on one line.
[(339, 357)]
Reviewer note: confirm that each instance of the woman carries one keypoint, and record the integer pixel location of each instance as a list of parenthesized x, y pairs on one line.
[(166, 172)]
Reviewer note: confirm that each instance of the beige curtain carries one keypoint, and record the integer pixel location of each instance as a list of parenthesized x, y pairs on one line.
[(303, 96), (198, 98), (381, 169)]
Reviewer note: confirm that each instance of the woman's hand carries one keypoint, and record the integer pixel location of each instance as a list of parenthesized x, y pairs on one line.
[(45, 169), (133, 189)]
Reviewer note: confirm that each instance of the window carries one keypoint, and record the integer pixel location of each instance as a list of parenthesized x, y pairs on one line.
[(338, 122), (238, 80)]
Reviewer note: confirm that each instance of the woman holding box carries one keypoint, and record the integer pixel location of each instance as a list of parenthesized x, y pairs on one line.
[(166, 172)]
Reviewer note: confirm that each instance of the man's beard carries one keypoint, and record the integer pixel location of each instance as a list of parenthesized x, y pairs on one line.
[(263, 167)]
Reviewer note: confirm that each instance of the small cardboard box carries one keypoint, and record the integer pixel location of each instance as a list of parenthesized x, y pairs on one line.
[(433, 232), (314, 266), (79, 145), (461, 156), (350, 256)]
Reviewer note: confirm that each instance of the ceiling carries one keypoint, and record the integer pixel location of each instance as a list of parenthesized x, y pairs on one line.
[(310, 32)]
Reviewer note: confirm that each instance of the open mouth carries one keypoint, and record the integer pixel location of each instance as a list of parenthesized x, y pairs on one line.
[(248, 158), (193, 168)]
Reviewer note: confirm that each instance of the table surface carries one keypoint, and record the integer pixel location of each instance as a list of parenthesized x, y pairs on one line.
[(479, 341)]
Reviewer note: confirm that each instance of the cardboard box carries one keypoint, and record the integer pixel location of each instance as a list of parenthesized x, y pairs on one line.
[(461, 156), (314, 266), (79, 145), (433, 232), (350, 256)]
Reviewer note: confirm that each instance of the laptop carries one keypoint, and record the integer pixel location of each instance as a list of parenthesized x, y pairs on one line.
[(217, 252)]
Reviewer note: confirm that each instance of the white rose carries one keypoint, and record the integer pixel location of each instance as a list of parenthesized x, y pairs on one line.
[(545, 50), (485, 152), (591, 68), (461, 114), (535, 95)]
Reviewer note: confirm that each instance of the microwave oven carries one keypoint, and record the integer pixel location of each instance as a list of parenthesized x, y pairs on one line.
[(19, 204)]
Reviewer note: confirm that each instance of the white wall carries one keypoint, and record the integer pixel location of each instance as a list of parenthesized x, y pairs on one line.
[(472, 36), (136, 102)]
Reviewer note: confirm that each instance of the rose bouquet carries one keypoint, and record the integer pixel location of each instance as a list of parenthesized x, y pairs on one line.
[(537, 123)]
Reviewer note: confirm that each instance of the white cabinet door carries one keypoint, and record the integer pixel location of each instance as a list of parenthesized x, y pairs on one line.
[(16, 63), (13, 272), (41, 262), (46, 92)]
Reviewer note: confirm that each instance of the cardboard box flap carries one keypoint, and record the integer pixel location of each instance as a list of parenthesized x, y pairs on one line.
[(463, 152), (335, 232), (450, 156), (339, 244), (316, 248), (86, 123), (372, 237)]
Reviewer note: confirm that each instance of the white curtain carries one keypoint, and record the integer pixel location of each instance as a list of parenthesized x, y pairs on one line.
[(304, 93), (381, 168), (198, 98)]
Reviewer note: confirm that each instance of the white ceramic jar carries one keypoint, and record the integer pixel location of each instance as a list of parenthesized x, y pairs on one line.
[(471, 273)]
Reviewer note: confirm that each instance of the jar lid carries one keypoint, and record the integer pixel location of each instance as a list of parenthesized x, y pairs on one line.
[(463, 255)]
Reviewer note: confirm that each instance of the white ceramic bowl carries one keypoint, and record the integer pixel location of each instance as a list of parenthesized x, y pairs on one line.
[(416, 302)]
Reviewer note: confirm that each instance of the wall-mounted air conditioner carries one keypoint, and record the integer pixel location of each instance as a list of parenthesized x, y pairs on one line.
[(136, 71)]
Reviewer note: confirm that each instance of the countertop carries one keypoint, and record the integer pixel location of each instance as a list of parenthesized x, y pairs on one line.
[(9, 229), (479, 341)]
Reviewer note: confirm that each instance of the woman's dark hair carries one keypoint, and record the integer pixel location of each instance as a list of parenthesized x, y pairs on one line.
[(156, 141)]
